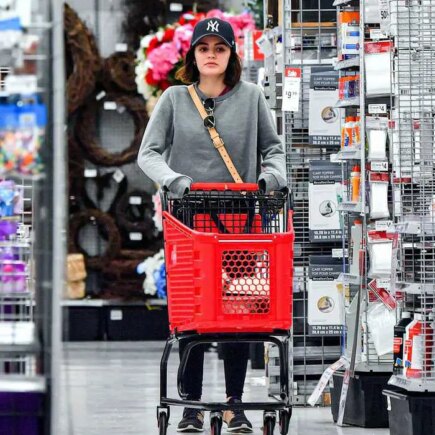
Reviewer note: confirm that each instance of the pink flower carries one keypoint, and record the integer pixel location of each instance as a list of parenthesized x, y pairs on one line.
[(215, 13), (163, 59), (240, 23), (182, 38)]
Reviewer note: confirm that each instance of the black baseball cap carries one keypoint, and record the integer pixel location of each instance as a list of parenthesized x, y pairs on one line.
[(214, 27)]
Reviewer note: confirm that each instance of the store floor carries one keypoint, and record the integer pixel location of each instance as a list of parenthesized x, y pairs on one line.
[(112, 389)]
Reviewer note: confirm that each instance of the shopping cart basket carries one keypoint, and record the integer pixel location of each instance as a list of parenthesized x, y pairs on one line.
[(229, 266)]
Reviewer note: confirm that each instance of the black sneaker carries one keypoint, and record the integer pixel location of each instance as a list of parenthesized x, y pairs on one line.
[(236, 420), (192, 421)]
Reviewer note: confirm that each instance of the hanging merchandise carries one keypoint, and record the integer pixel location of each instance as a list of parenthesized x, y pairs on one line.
[(355, 247), (371, 12), (118, 72), (86, 128), (134, 216), (348, 87), (376, 130), (324, 218), (324, 118), (85, 61), (380, 246), (399, 338), (379, 195), (22, 130), (382, 294), (355, 184), (106, 227), (351, 133), (381, 322), (378, 69), (325, 296), (348, 34)]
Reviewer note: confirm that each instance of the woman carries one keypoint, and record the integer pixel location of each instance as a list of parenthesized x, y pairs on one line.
[(177, 150)]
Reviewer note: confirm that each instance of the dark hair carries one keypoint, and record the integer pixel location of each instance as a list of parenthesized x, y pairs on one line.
[(189, 72)]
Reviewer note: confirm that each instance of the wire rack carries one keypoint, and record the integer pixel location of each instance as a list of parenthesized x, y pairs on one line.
[(412, 137)]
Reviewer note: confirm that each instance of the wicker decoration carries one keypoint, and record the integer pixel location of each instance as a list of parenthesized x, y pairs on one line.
[(118, 72), (87, 135), (136, 217), (104, 182), (108, 230), (85, 62)]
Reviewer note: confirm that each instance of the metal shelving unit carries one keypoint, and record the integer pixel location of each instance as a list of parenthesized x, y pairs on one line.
[(412, 138), (31, 275)]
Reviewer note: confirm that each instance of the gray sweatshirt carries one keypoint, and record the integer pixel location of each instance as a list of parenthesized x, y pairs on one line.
[(176, 149)]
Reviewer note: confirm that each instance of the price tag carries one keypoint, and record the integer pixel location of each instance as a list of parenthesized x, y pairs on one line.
[(384, 12), (21, 84), (264, 45), (383, 225), (338, 253), (121, 46), (176, 7), (118, 175), (110, 105), (116, 315), (135, 236), (292, 89), (377, 109), (90, 173), (379, 166), (135, 200), (377, 34), (100, 95), (383, 283)]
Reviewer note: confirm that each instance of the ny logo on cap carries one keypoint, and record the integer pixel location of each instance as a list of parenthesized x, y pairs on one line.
[(213, 26)]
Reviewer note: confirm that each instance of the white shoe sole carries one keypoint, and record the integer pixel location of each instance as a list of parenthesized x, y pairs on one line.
[(190, 429), (240, 430)]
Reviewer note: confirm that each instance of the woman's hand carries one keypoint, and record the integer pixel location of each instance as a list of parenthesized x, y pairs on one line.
[(180, 186)]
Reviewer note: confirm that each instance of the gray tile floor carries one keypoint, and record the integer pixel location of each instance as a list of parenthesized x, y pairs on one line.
[(112, 389)]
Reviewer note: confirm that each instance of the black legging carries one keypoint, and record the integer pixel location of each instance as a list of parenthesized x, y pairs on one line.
[(236, 357)]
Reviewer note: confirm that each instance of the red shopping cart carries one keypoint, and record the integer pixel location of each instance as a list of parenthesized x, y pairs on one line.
[(229, 266)]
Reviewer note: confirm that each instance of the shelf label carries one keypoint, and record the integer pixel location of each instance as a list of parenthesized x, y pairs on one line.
[(110, 105), (292, 90), (135, 236), (379, 166), (21, 84), (116, 315), (384, 12), (90, 173), (377, 109), (135, 200)]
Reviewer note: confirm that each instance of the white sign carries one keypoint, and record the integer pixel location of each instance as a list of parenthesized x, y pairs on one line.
[(292, 89), (21, 84), (384, 12), (379, 166), (109, 105), (264, 45), (377, 108), (136, 237), (121, 46), (90, 173), (115, 315), (135, 200)]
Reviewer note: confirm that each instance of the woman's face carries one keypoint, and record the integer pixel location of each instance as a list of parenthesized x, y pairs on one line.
[(212, 56)]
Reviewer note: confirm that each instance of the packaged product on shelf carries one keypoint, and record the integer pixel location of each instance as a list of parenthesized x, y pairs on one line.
[(324, 218), (355, 246), (324, 118), (377, 67), (380, 247), (417, 353), (355, 184), (348, 87), (380, 322), (348, 35), (379, 195), (21, 135), (382, 294), (350, 133), (376, 128), (398, 344), (325, 296), (371, 12)]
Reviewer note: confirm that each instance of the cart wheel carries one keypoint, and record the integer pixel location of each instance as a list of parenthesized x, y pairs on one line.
[(284, 421), (163, 423), (269, 423), (215, 423)]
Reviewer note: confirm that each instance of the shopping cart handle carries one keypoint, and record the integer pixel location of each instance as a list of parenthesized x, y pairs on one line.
[(239, 187)]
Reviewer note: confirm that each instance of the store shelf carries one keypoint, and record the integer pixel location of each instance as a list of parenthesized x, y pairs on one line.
[(351, 207), (348, 154), (349, 102), (19, 348), (111, 302), (348, 63), (341, 2), (22, 384), (414, 288)]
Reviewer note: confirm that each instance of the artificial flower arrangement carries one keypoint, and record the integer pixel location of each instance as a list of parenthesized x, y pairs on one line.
[(161, 54)]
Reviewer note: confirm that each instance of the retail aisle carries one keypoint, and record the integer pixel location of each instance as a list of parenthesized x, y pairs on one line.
[(112, 389)]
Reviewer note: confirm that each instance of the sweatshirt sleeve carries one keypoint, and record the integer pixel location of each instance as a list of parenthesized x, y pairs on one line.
[(156, 140), (273, 176)]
